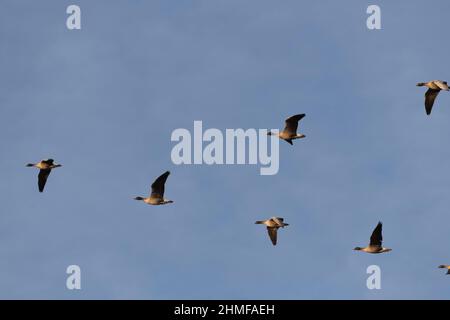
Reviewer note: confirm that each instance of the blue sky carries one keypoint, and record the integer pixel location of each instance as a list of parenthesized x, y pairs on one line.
[(104, 100)]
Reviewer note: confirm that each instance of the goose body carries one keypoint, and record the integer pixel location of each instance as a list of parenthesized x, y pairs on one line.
[(375, 245), (443, 266), (273, 224), (289, 132), (434, 87), (45, 167), (156, 197)]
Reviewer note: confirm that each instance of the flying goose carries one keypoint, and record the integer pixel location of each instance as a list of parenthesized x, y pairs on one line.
[(272, 227), (289, 132), (445, 267), (45, 167), (375, 242), (434, 87), (157, 194)]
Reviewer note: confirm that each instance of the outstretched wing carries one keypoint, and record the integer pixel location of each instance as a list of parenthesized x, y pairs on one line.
[(42, 178), (377, 238), (289, 141), (273, 234), (292, 123), (278, 220), (48, 161), (158, 186), (430, 96), (442, 84)]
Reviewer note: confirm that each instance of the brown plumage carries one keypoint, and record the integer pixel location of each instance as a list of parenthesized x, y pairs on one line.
[(45, 168), (289, 132), (434, 87), (376, 240), (443, 266), (273, 224), (157, 191)]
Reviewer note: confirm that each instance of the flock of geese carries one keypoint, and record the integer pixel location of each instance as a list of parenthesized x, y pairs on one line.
[(288, 134)]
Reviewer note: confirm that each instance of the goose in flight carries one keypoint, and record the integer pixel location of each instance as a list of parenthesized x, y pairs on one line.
[(434, 87), (272, 227), (445, 267), (375, 242), (289, 132), (157, 194), (45, 167)]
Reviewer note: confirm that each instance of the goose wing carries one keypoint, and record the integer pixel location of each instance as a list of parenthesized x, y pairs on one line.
[(273, 234), (441, 84), (377, 238), (278, 221), (158, 186), (430, 96), (42, 178), (291, 123), (48, 161)]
